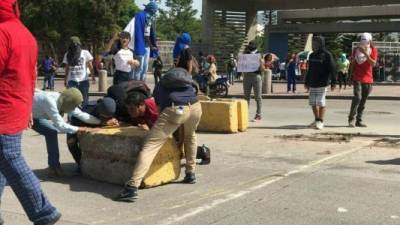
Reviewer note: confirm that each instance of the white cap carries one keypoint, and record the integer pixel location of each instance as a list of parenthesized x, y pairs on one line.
[(366, 37)]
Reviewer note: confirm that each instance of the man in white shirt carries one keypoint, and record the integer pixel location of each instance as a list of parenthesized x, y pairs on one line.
[(48, 110)]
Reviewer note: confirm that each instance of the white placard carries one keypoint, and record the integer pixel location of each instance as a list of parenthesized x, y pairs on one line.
[(249, 62)]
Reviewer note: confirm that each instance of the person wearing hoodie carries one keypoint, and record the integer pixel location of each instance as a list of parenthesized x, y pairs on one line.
[(144, 40), (343, 67), (363, 60), (321, 72), (17, 83), (182, 54), (47, 111)]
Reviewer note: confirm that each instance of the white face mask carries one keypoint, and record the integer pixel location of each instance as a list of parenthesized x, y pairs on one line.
[(364, 43)]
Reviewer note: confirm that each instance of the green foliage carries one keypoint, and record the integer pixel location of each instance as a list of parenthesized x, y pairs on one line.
[(94, 21), (178, 18)]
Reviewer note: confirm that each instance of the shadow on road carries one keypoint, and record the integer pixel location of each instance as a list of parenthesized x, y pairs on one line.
[(78, 183), (386, 162)]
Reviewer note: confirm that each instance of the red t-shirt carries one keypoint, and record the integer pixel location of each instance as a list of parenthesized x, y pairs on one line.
[(363, 72), (18, 58), (150, 115)]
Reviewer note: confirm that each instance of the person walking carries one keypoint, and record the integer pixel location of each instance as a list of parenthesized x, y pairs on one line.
[(230, 66), (77, 62), (364, 58), (179, 106), (253, 81), (343, 66), (18, 57), (321, 70)]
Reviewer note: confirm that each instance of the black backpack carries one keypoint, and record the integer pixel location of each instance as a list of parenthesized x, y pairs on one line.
[(204, 153), (176, 78)]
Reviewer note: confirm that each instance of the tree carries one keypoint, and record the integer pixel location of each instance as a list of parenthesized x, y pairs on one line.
[(94, 21), (178, 18)]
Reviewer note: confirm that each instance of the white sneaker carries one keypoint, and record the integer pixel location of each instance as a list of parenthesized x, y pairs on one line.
[(319, 125), (313, 124)]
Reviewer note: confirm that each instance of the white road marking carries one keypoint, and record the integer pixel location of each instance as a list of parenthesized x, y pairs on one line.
[(342, 210), (192, 212), (394, 217)]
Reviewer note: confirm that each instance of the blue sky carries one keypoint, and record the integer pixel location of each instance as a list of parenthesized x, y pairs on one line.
[(196, 4)]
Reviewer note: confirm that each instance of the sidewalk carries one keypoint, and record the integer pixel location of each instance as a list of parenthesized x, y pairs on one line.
[(379, 92)]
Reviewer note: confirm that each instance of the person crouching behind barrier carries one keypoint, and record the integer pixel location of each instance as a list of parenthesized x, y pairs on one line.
[(179, 106), (142, 110), (47, 111), (103, 109)]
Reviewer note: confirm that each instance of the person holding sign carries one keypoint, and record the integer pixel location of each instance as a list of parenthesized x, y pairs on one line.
[(251, 64)]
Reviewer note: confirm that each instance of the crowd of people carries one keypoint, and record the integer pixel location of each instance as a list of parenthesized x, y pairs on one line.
[(172, 106)]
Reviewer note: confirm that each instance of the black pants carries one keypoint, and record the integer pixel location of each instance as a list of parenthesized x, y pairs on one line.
[(361, 93), (121, 76), (342, 79), (157, 76)]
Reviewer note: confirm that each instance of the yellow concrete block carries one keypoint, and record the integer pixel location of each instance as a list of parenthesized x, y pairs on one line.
[(243, 112), (110, 155), (219, 116)]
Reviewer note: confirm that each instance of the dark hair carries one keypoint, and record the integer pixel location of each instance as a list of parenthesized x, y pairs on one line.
[(74, 54), (267, 55), (135, 98)]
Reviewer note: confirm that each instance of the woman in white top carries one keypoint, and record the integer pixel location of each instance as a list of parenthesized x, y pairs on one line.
[(123, 57), (77, 61)]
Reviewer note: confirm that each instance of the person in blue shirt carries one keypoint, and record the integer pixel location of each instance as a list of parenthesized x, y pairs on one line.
[(145, 45)]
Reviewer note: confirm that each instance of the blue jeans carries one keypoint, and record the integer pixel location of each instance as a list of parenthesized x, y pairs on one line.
[(140, 72), (48, 130), (291, 83), (83, 86), (49, 77), (231, 77), (26, 186)]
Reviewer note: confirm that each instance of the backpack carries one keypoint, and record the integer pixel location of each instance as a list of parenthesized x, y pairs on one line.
[(176, 78), (231, 64), (203, 153), (47, 65)]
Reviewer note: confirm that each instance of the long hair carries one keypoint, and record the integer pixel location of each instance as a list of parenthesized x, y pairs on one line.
[(74, 54)]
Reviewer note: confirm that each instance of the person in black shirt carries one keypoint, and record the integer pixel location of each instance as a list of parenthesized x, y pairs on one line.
[(321, 69)]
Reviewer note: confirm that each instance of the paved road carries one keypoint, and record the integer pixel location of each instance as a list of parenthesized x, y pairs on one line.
[(279, 172)]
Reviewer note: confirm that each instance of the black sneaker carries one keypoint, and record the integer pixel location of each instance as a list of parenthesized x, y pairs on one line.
[(190, 178), (360, 124), (129, 194), (55, 219)]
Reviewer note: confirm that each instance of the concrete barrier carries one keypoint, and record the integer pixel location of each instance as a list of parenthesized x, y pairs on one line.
[(219, 116), (242, 113), (110, 155)]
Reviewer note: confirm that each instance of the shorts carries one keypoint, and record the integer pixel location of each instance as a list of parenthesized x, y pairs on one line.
[(317, 96)]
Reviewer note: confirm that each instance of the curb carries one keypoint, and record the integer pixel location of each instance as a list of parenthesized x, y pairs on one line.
[(380, 98), (346, 97)]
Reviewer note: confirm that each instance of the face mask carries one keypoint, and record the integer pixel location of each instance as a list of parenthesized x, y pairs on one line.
[(364, 43)]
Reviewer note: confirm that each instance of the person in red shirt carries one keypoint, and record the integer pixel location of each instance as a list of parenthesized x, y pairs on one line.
[(142, 110), (18, 58), (363, 60)]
